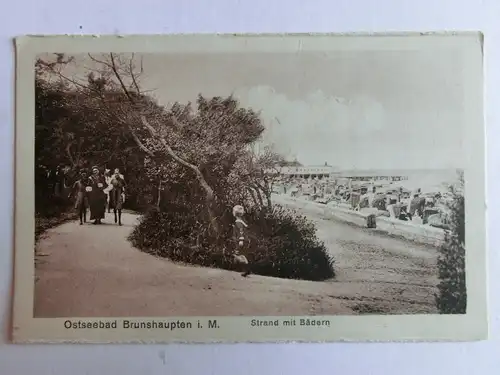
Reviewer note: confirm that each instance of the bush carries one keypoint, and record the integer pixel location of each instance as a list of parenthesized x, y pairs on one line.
[(452, 290), (286, 246), (42, 224), (51, 211), (283, 245), (175, 234)]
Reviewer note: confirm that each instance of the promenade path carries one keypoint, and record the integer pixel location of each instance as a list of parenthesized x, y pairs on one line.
[(93, 271)]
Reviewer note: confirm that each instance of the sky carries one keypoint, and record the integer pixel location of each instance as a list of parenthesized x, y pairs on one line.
[(352, 109)]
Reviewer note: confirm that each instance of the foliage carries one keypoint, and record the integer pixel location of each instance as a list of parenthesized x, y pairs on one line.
[(452, 289), (83, 127), (287, 246), (75, 123), (212, 139), (283, 244), (185, 165), (256, 172), (43, 223)]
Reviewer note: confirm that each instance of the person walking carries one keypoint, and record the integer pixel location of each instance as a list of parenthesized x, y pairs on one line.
[(117, 173), (97, 197), (117, 195), (81, 202)]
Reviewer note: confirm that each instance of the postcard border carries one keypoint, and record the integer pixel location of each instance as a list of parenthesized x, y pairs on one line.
[(468, 327)]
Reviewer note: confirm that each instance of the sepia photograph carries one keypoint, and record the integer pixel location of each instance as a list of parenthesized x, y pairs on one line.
[(303, 187)]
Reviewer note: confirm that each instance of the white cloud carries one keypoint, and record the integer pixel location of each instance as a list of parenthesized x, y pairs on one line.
[(318, 129)]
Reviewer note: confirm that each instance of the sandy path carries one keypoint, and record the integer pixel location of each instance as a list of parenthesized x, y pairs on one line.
[(382, 273), (93, 271)]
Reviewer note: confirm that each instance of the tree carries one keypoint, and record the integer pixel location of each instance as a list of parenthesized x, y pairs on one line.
[(74, 127), (452, 289), (193, 162), (205, 143), (79, 132), (255, 175)]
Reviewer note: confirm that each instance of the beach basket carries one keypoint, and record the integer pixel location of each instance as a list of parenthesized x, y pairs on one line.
[(371, 221)]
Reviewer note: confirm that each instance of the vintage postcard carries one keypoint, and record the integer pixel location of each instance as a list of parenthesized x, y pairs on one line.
[(250, 188)]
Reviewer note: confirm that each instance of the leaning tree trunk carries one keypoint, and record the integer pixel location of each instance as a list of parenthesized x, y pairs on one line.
[(269, 200), (158, 201), (209, 192)]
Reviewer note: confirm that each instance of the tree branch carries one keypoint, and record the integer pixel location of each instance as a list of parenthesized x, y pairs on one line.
[(174, 156), (133, 76), (68, 152), (119, 78)]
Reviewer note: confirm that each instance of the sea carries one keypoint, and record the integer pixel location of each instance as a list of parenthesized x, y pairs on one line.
[(428, 179), (425, 179)]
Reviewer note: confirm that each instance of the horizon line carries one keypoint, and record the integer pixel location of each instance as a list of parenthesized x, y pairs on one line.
[(379, 169)]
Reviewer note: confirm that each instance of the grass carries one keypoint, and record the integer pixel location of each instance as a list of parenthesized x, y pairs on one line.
[(42, 224)]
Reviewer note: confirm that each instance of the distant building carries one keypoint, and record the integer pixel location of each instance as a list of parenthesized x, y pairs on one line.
[(327, 171), (372, 175), (309, 171)]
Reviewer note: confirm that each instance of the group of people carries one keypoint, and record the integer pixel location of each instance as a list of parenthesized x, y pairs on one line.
[(397, 202), (51, 182), (404, 206), (99, 191)]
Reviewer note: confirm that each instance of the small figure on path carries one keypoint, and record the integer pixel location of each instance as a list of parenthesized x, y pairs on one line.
[(97, 196), (81, 202), (117, 195), (241, 239)]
